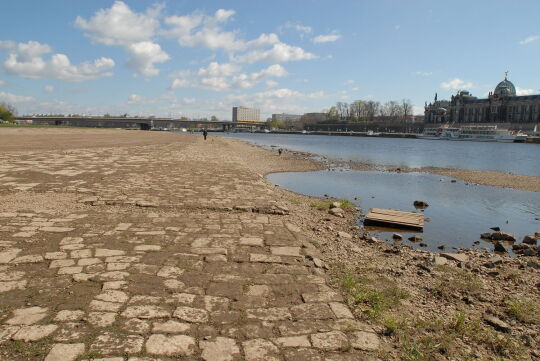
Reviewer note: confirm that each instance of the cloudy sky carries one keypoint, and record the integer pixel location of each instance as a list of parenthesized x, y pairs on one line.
[(200, 58)]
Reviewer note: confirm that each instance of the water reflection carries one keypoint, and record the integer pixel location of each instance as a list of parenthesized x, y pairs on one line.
[(458, 212)]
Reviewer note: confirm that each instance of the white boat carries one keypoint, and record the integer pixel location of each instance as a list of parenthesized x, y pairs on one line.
[(371, 133), (439, 133), (490, 133)]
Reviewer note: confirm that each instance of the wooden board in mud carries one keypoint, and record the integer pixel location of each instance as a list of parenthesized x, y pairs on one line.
[(390, 217)]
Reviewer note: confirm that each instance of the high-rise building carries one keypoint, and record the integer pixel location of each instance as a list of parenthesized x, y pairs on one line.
[(245, 114)]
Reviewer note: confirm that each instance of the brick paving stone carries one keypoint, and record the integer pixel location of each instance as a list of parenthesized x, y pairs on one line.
[(110, 344), (180, 345), (219, 349), (34, 332), (69, 270), (306, 311), (171, 326), (303, 354), (263, 258), (88, 261), (55, 255), (135, 325), (69, 316), (113, 296), (32, 258), (101, 319), (62, 263), (103, 252), (191, 314), (260, 350), (12, 285), (367, 341), (97, 305), (293, 341), (170, 272), (27, 316), (330, 341), (286, 251), (322, 297), (340, 310), (65, 352), (269, 314), (146, 312), (251, 241)]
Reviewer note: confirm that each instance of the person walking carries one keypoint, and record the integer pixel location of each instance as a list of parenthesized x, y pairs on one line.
[(205, 134)]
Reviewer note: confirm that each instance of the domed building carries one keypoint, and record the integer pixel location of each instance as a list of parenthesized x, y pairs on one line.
[(502, 105)]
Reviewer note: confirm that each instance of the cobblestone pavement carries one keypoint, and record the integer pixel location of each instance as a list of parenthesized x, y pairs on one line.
[(153, 253)]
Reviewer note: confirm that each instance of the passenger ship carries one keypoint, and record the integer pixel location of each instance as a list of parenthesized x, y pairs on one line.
[(479, 133)]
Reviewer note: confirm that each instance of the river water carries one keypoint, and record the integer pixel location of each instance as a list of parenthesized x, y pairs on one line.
[(517, 158), (458, 212)]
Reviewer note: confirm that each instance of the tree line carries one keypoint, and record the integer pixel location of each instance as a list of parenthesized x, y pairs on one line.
[(369, 110), (7, 112)]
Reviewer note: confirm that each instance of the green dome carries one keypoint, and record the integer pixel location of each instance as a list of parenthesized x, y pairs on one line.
[(505, 88)]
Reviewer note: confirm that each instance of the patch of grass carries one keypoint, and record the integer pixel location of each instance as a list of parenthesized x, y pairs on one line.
[(295, 201), (510, 274), (524, 309), (430, 339), (28, 350), (325, 204), (451, 279), (372, 295)]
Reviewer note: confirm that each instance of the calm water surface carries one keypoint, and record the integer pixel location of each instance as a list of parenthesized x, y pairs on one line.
[(458, 212), (515, 158)]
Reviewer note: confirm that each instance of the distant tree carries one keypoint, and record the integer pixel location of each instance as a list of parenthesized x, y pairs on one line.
[(406, 107), (277, 124), (107, 115), (214, 118), (184, 118), (332, 113), (7, 112)]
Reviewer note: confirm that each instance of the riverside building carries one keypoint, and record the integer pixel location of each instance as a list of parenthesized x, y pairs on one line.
[(244, 114), (502, 105)]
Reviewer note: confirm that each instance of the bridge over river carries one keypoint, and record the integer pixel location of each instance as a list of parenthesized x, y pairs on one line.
[(138, 123)]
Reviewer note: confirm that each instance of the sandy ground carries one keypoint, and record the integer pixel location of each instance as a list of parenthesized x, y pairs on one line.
[(488, 178), (134, 244)]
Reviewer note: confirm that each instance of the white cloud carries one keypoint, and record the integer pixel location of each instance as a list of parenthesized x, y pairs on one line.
[(424, 73), (397, 27), (329, 38), (144, 55), (455, 84), (120, 26), (529, 39), (189, 100), (279, 53), (12, 98), (225, 76), (26, 60), (198, 29), (521, 91), (48, 88), (2, 82), (271, 84), (302, 30), (350, 81)]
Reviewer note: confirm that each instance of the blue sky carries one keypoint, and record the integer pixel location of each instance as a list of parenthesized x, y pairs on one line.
[(200, 58)]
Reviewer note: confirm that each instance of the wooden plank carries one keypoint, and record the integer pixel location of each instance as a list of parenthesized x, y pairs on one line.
[(396, 218)]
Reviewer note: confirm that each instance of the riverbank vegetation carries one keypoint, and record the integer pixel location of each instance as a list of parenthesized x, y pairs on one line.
[(370, 110)]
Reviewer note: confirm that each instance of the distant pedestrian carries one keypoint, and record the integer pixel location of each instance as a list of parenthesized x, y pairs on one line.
[(280, 150), (204, 133)]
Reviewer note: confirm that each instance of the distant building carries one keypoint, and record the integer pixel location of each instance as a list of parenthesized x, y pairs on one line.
[(243, 114), (501, 106), (313, 118), (290, 120)]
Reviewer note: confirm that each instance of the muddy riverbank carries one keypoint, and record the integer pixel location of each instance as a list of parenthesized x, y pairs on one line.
[(110, 248)]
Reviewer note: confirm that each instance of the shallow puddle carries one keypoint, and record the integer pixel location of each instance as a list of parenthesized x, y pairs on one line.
[(457, 214)]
